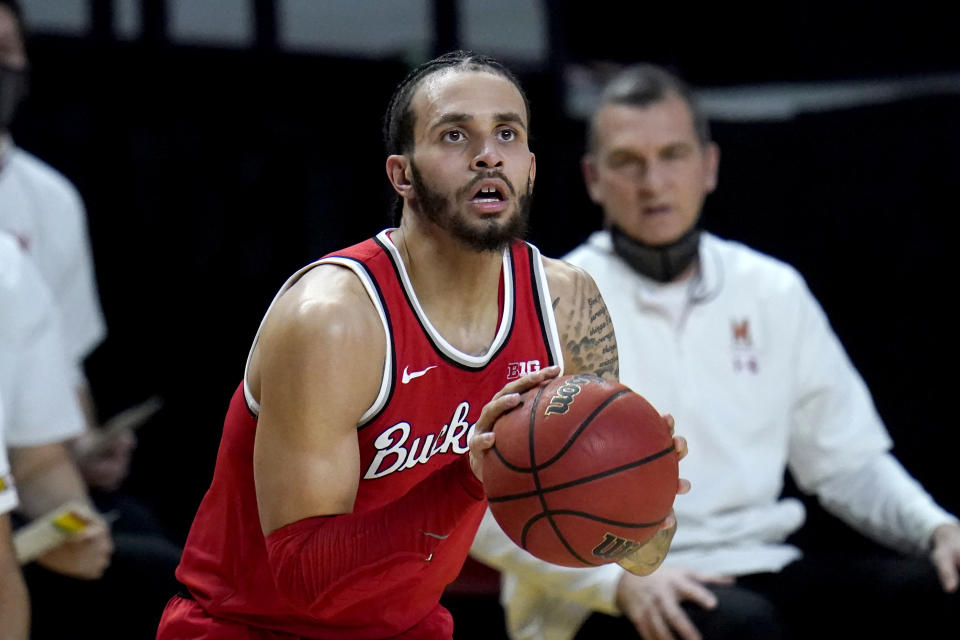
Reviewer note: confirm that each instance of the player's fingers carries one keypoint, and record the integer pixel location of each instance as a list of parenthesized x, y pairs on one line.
[(529, 381), (680, 444), (491, 411), (671, 423), (683, 486)]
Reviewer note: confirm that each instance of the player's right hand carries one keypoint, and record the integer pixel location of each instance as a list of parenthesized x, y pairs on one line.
[(86, 555), (653, 603), (504, 400)]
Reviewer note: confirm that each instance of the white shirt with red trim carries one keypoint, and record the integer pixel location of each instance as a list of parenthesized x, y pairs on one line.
[(38, 399), (757, 381), (42, 209)]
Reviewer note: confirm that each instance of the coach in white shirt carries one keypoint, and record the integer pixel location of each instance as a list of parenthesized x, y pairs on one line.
[(40, 412), (733, 344)]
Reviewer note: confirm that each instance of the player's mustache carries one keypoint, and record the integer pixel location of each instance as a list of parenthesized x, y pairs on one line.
[(487, 175)]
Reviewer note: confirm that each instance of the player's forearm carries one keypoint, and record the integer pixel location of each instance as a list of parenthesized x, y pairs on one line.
[(313, 558), (47, 477)]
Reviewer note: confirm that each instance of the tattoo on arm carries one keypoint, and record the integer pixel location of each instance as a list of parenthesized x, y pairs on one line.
[(589, 342)]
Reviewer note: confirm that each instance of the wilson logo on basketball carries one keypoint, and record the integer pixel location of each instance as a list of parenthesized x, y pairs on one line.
[(563, 398), (614, 547)]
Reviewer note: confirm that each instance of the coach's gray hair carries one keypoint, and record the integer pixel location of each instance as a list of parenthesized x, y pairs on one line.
[(641, 85)]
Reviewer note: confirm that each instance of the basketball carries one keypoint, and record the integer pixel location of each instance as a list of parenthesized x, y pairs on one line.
[(582, 473)]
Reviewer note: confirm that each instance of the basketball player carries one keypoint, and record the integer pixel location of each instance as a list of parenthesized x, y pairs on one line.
[(343, 499)]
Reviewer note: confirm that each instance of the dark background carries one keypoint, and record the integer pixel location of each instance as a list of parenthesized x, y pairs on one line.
[(211, 174)]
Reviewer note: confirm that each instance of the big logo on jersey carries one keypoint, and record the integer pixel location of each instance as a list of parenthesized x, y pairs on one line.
[(394, 454)]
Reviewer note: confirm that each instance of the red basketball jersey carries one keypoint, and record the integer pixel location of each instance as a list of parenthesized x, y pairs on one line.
[(431, 395)]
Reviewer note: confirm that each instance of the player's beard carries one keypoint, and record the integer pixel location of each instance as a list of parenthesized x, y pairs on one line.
[(487, 234)]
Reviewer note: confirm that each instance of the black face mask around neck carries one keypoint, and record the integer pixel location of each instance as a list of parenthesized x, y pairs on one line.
[(663, 262), (13, 89)]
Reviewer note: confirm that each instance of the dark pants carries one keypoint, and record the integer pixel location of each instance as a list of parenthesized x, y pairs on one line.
[(876, 595)]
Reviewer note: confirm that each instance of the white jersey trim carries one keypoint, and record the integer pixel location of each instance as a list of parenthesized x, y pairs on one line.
[(546, 308), (371, 289), (447, 349)]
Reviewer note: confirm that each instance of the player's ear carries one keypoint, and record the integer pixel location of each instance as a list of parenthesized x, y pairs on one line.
[(398, 173), (533, 167)]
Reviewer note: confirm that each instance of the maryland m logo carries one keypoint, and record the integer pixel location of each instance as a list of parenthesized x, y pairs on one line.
[(614, 547), (741, 333)]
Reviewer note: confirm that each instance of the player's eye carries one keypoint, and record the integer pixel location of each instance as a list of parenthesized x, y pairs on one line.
[(507, 135), (453, 136)]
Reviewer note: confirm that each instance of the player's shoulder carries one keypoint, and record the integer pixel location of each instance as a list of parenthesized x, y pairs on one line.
[(561, 272), (326, 303), (571, 286)]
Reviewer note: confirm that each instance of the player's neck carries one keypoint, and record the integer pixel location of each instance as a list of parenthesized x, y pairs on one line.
[(457, 287)]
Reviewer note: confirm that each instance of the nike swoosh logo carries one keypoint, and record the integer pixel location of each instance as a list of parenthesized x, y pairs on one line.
[(407, 377)]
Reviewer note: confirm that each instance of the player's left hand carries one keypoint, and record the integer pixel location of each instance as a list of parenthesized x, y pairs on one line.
[(651, 555), (505, 399), (945, 555), (647, 558), (680, 444)]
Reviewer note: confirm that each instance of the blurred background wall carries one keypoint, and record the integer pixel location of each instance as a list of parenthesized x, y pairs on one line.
[(221, 144)]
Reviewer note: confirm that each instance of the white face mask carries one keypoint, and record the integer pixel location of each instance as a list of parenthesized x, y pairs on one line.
[(13, 89)]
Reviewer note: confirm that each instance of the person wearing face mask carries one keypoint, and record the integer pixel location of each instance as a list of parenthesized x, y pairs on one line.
[(45, 213), (43, 210), (734, 343)]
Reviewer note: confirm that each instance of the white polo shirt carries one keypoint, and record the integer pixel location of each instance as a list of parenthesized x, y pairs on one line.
[(44, 212), (744, 358), (39, 403)]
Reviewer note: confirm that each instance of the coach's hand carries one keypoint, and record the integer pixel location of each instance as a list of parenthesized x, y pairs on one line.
[(653, 603), (507, 398), (945, 555)]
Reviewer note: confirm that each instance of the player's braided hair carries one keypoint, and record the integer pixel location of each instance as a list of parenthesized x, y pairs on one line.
[(641, 85), (399, 119)]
